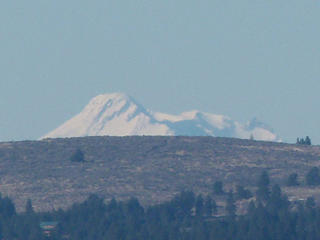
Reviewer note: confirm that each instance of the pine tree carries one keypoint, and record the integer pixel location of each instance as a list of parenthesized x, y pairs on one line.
[(275, 200), (208, 206), (313, 177), (298, 141), (29, 207), (218, 188), (263, 191), (230, 205), (242, 193), (199, 206), (307, 140), (310, 203), (292, 180)]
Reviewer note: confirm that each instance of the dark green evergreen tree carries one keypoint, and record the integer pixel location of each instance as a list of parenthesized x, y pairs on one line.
[(7, 207), (199, 206), (242, 193), (93, 219), (263, 191), (218, 188), (292, 180), (307, 140), (230, 205), (210, 206), (302, 141), (29, 207), (183, 204), (277, 201), (313, 177), (251, 208), (310, 203)]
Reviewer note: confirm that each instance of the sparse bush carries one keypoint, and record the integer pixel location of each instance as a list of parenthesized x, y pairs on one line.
[(77, 156)]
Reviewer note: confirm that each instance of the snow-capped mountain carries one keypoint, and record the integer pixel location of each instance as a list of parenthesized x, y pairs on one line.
[(117, 114)]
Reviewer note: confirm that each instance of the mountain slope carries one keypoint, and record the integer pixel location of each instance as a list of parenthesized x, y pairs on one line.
[(117, 114), (111, 114)]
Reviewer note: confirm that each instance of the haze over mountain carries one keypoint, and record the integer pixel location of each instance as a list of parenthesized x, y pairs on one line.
[(118, 114)]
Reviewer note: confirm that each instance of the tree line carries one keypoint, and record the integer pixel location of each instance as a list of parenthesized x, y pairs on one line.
[(304, 141), (269, 215)]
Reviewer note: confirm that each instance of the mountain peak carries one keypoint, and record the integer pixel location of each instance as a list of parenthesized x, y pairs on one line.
[(117, 114), (255, 122), (103, 98), (115, 95)]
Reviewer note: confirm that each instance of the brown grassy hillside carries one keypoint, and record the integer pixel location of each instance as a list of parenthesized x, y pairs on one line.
[(150, 168)]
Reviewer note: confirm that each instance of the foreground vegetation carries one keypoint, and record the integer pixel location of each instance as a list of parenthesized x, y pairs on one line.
[(59, 172), (269, 216)]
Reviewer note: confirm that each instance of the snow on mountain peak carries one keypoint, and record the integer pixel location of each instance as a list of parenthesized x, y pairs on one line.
[(103, 98), (105, 101), (113, 114), (117, 114)]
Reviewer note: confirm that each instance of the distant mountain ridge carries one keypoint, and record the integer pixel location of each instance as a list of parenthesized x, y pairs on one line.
[(118, 114)]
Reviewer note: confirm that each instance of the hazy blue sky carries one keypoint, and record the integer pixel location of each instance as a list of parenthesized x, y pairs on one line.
[(244, 59)]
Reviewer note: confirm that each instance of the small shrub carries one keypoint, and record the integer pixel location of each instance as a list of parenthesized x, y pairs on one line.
[(77, 156)]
